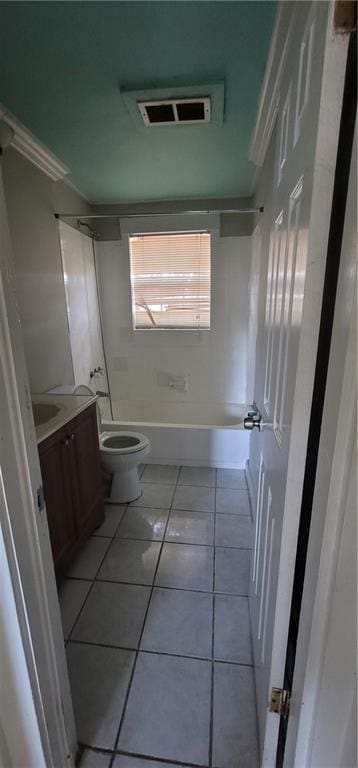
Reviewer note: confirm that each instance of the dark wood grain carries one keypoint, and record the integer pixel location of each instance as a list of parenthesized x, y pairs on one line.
[(72, 482)]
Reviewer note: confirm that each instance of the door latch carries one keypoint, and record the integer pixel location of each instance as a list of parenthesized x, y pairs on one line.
[(279, 702), (253, 418)]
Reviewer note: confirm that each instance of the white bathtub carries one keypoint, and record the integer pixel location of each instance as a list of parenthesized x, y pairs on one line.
[(207, 435)]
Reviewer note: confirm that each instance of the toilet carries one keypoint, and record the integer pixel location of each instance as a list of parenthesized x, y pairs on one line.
[(121, 453)]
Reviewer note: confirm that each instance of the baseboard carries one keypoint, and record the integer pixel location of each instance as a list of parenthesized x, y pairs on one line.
[(195, 463)]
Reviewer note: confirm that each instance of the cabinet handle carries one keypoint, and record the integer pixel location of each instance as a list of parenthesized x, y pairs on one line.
[(73, 436), (65, 442)]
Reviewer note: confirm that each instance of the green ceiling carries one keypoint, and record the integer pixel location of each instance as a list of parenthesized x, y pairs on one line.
[(62, 65)]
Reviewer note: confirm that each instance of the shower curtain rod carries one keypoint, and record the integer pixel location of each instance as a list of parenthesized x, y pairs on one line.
[(141, 214)]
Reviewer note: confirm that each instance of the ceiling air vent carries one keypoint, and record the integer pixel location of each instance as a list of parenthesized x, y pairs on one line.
[(175, 111)]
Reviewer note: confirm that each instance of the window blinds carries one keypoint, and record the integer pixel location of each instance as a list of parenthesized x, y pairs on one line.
[(170, 280)]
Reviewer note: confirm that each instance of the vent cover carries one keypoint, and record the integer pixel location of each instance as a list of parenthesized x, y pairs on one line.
[(175, 111)]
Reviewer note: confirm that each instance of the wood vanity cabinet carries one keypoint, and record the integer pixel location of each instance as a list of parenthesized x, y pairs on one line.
[(72, 483)]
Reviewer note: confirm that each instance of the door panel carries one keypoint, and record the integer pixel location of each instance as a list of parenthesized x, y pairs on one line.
[(86, 469), (54, 460), (293, 248), (291, 310), (273, 304)]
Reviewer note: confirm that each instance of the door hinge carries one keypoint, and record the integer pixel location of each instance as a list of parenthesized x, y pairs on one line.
[(279, 702), (40, 499)]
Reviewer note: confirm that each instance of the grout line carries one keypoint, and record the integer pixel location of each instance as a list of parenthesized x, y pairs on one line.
[(165, 760), (125, 705), (79, 754), (229, 488), (168, 541), (160, 586), (148, 506), (92, 581), (191, 485), (224, 546), (192, 511), (82, 746), (165, 541), (163, 512), (114, 751), (89, 591), (186, 485), (160, 653), (182, 509), (235, 514), (122, 516), (143, 625), (138, 755)]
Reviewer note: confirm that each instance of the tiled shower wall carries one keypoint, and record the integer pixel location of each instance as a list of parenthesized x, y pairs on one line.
[(140, 363)]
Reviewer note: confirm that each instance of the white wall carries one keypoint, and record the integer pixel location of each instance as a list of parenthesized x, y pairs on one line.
[(31, 200), (141, 362)]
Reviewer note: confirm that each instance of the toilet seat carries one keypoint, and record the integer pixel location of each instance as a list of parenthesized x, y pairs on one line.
[(122, 443)]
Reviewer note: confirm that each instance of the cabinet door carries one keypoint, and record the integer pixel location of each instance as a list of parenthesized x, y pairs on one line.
[(86, 471), (54, 460)]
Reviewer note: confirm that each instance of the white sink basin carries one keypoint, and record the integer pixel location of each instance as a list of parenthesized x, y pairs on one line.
[(44, 412)]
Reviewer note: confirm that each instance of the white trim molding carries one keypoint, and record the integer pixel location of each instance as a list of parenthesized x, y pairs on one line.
[(32, 148), (270, 92)]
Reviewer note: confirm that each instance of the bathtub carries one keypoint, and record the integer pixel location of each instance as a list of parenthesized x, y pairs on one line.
[(209, 434)]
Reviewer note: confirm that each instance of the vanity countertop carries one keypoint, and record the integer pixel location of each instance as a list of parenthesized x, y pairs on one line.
[(68, 407)]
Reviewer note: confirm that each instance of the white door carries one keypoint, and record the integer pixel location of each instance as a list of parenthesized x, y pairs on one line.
[(295, 233), (83, 311)]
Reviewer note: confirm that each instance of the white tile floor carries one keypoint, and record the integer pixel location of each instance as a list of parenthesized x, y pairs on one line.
[(156, 623)]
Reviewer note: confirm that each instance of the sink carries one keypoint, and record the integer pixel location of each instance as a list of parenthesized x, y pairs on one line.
[(44, 412)]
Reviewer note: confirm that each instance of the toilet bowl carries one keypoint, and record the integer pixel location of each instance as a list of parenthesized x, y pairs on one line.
[(121, 453)]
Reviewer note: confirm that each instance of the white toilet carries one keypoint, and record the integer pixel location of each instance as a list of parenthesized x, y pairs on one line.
[(121, 453)]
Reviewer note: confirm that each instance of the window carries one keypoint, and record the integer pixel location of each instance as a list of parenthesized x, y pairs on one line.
[(170, 280)]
